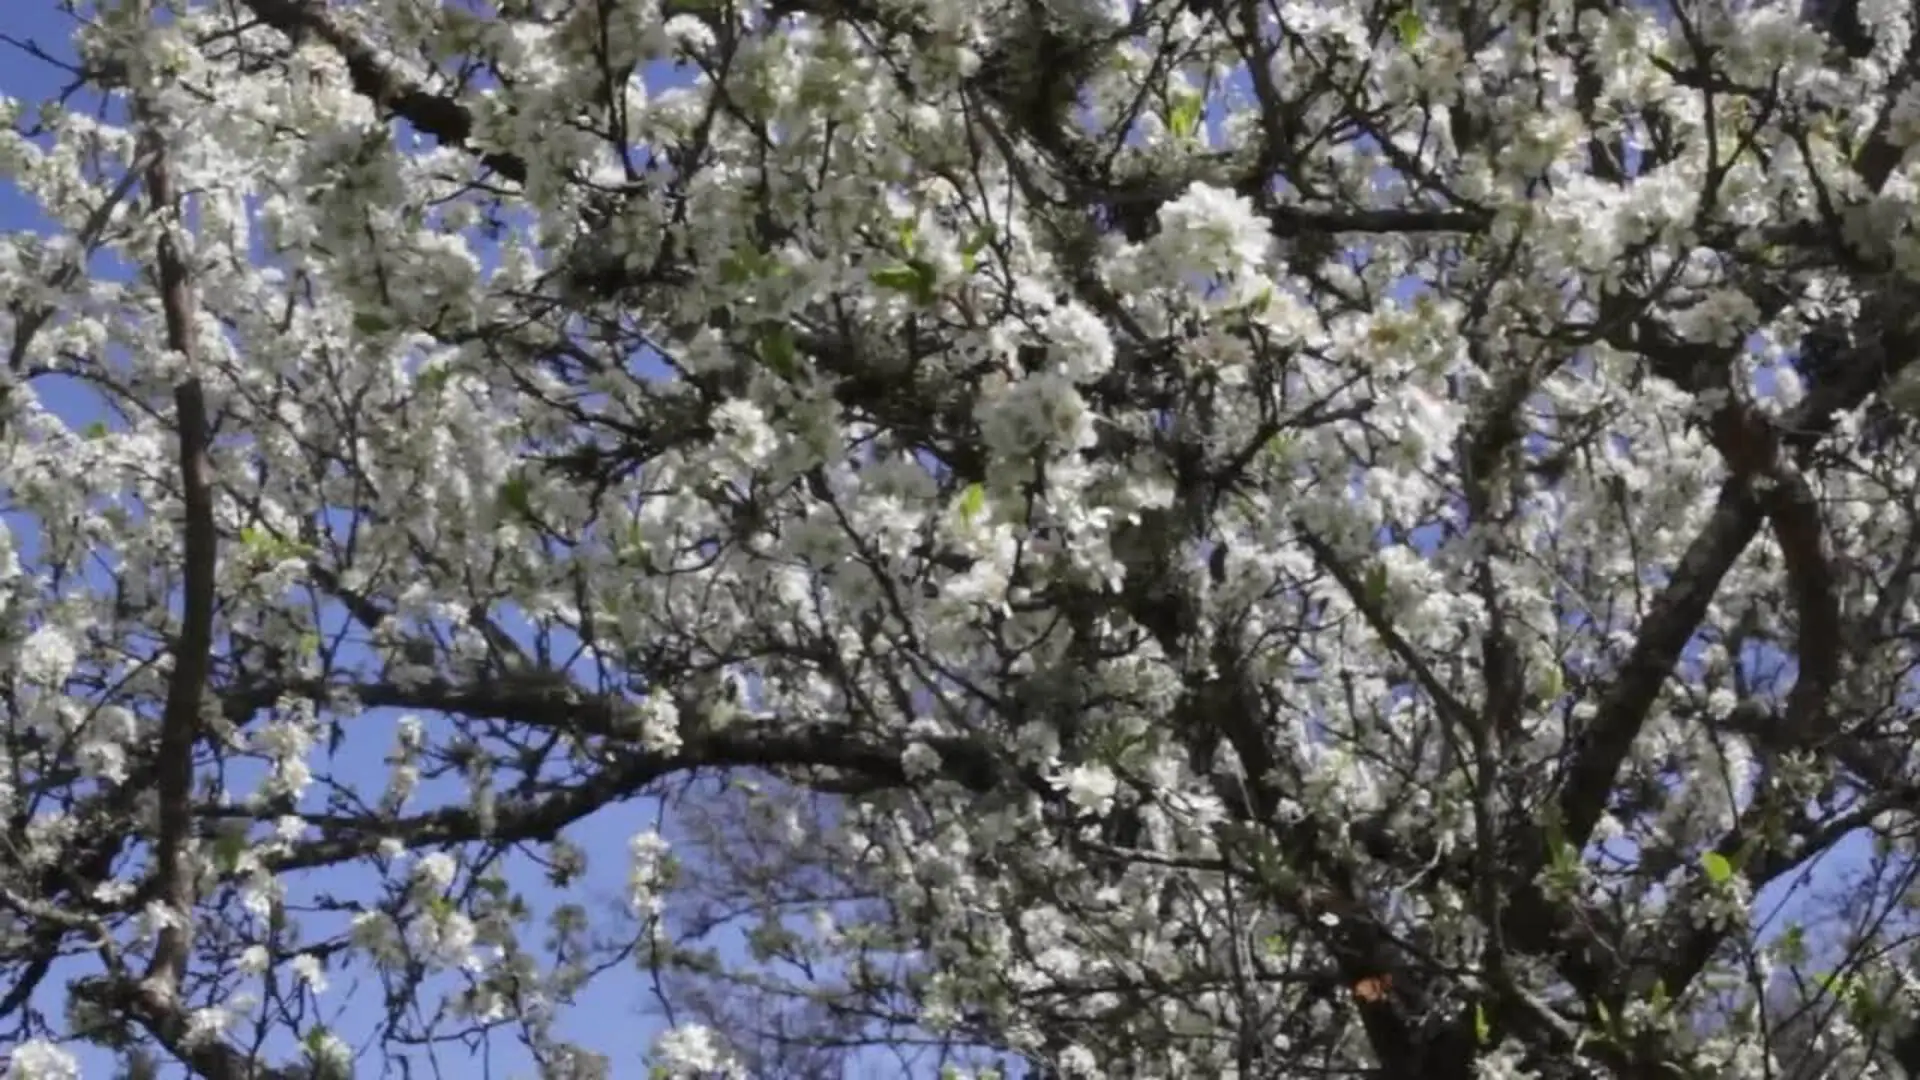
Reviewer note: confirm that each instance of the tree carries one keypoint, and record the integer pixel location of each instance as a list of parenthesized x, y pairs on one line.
[(1237, 538)]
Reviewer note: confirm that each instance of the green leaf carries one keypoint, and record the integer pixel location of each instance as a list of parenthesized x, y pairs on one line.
[(1376, 584), (1864, 1009), (1793, 945), (96, 430), (432, 380), (315, 1040), (915, 277), (975, 244), (1552, 682), (899, 278), (263, 546), (1184, 118), (972, 501), (1660, 999), (743, 266), (1482, 1030), (1409, 27), (778, 352), (769, 940), (1719, 868), (516, 497), (227, 850), (1566, 860), (369, 322)]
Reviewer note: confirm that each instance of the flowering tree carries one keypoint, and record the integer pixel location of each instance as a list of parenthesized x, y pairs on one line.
[(1258, 538)]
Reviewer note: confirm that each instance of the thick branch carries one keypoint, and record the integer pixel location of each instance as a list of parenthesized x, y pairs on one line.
[(1763, 484), (1670, 623), (163, 1018), (192, 650), (1753, 448), (380, 79)]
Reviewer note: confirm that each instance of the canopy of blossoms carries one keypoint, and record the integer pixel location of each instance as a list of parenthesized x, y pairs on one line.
[(1180, 538)]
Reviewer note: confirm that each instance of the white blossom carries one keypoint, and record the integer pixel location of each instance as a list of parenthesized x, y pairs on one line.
[(38, 1059), (435, 871), (650, 860), (1025, 522), (693, 1049), (47, 656), (660, 724), (308, 969), (1089, 787), (920, 760), (1209, 230), (255, 959)]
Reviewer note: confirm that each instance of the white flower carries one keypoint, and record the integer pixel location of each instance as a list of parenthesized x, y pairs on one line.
[(745, 436), (919, 761), (254, 960), (1210, 230), (445, 940), (1089, 787), (410, 733), (401, 784), (1077, 1061), (1502, 1063), (158, 916), (1079, 342), (373, 932), (204, 1025), (257, 896), (692, 1049), (107, 735), (689, 32), (306, 967), (1043, 409), (107, 760), (650, 854), (660, 725), (433, 873), (39, 1059), (47, 656), (331, 1050)]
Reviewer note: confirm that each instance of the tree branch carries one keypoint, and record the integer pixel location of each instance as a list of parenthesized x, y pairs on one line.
[(1752, 447), (379, 78), (192, 650)]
